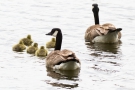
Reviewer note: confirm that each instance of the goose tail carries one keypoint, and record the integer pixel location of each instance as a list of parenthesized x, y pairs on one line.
[(115, 30)]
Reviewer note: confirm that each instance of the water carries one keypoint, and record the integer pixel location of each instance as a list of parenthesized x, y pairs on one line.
[(103, 66)]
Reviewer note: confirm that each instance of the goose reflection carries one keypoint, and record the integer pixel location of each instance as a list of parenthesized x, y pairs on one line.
[(105, 53), (62, 85), (112, 48), (71, 75)]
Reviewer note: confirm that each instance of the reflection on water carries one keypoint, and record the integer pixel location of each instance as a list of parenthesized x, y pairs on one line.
[(63, 75), (107, 54), (112, 48), (102, 51), (62, 85), (105, 70)]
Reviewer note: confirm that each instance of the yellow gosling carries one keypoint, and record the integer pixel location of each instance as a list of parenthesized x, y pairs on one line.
[(19, 47), (27, 41), (32, 49), (51, 44), (42, 52)]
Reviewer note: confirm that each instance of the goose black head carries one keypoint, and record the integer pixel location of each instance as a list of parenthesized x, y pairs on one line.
[(54, 32), (95, 8)]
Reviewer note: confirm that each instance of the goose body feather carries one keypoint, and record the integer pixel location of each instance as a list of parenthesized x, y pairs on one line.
[(64, 60), (106, 33)]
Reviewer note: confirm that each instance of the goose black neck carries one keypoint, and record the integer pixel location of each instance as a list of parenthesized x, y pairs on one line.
[(58, 41), (96, 17)]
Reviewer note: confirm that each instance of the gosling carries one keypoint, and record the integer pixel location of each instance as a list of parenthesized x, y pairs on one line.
[(27, 41), (20, 47), (42, 52), (32, 49), (51, 44)]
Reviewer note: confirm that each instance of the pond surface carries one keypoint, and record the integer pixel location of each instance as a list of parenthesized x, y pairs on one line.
[(103, 66)]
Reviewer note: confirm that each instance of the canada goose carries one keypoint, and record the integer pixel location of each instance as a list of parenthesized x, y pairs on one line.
[(51, 44), (32, 49), (27, 41), (106, 33), (42, 52), (61, 59), (19, 47)]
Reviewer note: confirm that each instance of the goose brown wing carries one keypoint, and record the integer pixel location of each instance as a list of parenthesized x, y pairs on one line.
[(107, 27), (57, 57), (91, 33), (111, 27)]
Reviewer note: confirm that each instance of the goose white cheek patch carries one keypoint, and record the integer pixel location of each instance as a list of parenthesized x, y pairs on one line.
[(55, 33), (92, 7)]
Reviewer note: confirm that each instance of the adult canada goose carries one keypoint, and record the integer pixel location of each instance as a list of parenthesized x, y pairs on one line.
[(51, 44), (106, 33), (19, 47), (27, 41), (42, 52), (61, 59), (32, 49)]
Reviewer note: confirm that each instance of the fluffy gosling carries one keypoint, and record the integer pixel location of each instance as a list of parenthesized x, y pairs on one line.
[(51, 44), (42, 52), (27, 41), (19, 47), (32, 49)]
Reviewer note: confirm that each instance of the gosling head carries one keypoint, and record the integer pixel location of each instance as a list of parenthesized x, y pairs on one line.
[(21, 42), (29, 36), (54, 32), (42, 47), (35, 45), (53, 40)]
